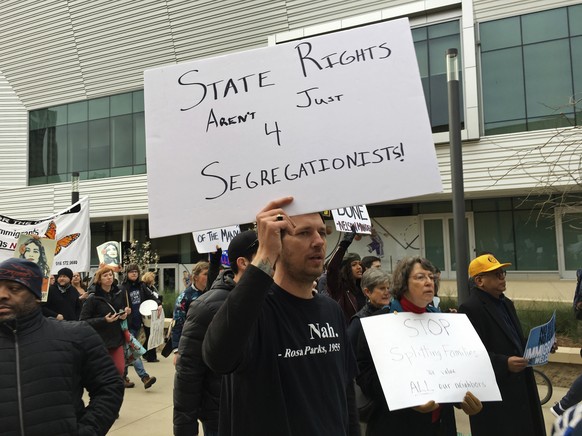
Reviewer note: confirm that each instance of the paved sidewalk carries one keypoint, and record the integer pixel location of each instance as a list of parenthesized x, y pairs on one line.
[(148, 412)]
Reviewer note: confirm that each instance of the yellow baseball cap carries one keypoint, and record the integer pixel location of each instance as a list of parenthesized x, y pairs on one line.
[(483, 264)]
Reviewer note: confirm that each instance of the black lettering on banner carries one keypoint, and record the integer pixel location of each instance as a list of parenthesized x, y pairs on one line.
[(277, 131)]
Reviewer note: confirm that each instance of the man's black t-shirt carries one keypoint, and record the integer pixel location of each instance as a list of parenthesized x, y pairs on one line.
[(290, 375)]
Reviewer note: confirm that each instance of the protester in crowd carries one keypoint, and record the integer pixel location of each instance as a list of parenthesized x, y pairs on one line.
[(149, 279), (196, 387), (572, 397), (103, 310), (79, 286), (344, 273), (33, 250), (413, 290), (183, 301), (370, 262), (63, 301), (46, 365), (376, 286), (52, 279), (136, 292), (261, 334), (494, 317)]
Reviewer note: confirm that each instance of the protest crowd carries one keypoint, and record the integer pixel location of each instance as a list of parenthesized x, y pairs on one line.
[(272, 344)]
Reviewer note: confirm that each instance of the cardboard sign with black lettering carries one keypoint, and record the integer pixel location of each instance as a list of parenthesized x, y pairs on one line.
[(429, 356), (334, 120)]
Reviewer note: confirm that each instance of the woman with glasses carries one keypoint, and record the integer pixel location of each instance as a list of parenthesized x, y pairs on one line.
[(412, 290)]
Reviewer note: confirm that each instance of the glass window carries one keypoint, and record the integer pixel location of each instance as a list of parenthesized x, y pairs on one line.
[(530, 86), (575, 19), (121, 104), (544, 26), (99, 144), (139, 155), (78, 144), (576, 47), (500, 34), (535, 238), (571, 225), (138, 104), (98, 108), (494, 234), (122, 140), (431, 43), (90, 137), (434, 242), (77, 112), (548, 77), (503, 80)]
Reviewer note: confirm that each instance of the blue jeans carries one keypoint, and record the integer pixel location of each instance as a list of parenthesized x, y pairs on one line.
[(574, 394), (138, 364)]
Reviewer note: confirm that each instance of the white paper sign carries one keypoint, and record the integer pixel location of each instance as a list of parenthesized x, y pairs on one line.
[(207, 241), (156, 330), (317, 119), (346, 217), (432, 356)]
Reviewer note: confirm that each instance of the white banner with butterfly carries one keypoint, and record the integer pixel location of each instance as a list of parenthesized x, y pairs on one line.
[(69, 229)]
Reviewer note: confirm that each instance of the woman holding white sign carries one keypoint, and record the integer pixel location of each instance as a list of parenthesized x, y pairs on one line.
[(413, 291)]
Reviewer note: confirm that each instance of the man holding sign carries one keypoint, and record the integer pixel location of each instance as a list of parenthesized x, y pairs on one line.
[(494, 317), (283, 346)]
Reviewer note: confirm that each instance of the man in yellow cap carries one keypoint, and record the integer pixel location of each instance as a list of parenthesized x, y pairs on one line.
[(494, 317)]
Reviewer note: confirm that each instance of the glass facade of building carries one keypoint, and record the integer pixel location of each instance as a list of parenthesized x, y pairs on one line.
[(531, 67), (431, 43), (102, 137)]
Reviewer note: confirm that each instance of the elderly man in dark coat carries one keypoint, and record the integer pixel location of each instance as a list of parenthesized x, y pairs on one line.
[(494, 317)]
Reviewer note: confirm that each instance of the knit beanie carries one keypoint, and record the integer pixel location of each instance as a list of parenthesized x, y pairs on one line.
[(23, 271), (349, 258), (65, 272)]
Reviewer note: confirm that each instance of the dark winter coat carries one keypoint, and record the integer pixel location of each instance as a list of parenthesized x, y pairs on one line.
[(520, 412), (135, 320), (99, 304), (197, 387), (65, 303), (44, 366)]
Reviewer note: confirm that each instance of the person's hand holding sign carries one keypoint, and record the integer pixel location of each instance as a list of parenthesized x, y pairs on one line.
[(471, 404), (272, 221), (427, 407)]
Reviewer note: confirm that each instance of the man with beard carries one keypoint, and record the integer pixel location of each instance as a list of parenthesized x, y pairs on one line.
[(284, 347), (63, 299), (46, 364)]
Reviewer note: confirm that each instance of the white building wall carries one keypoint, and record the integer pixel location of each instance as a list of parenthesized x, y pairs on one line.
[(60, 51)]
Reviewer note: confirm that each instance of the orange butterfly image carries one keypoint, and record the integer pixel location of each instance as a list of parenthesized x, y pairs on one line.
[(63, 242)]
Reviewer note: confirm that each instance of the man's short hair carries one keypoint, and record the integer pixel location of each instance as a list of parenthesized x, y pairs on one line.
[(367, 261)]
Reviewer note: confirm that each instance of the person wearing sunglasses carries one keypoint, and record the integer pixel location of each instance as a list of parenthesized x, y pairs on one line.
[(494, 317)]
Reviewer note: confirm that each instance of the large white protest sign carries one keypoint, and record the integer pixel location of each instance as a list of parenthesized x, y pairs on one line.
[(317, 119), (207, 241), (431, 356), (540, 342), (354, 217), (69, 228)]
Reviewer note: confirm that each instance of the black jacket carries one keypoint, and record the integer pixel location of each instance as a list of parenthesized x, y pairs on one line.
[(45, 365), (134, 319), (99, 304), (197, 387), (65, 303), (520, 412)]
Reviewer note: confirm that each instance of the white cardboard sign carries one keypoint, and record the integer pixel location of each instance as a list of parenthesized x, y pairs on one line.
[(316, 119), (347, 217), (432, 356), (207, 241)]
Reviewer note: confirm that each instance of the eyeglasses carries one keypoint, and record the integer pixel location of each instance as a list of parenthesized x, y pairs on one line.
[(499, 273), (423, 277)]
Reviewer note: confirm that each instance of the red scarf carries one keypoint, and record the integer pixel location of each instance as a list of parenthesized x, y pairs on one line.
[(411, 307)]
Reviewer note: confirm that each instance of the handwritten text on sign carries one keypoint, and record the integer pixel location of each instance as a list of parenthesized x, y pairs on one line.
[(355, 217), (298, 119), (207, 241), (436, 356)]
